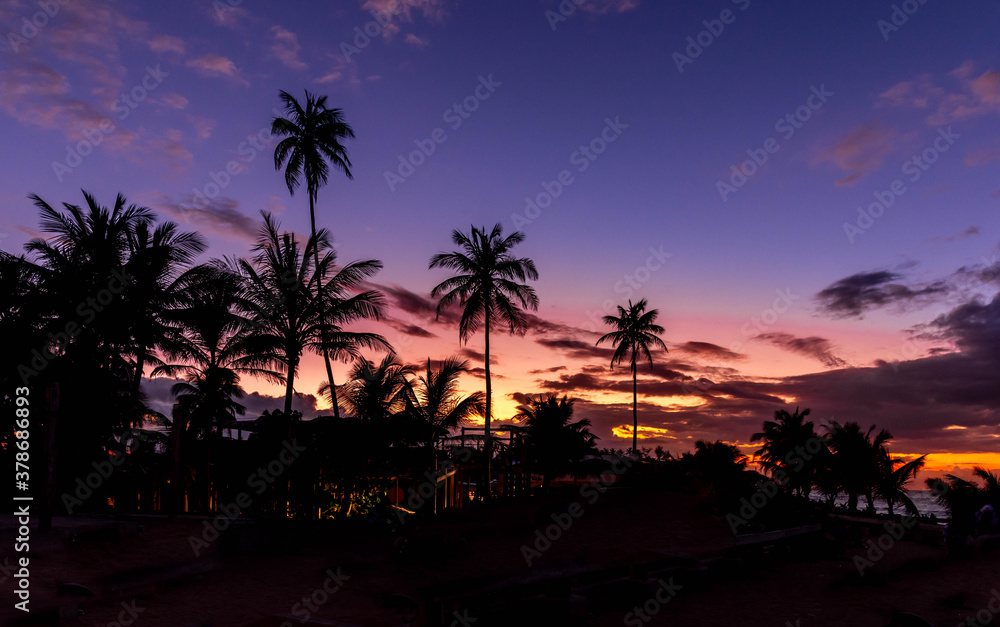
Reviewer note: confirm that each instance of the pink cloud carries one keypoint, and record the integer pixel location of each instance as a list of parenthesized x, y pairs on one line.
[(214, 65), (974, 95), (981, 157), (166, 43), (286, 48), (860, 152)]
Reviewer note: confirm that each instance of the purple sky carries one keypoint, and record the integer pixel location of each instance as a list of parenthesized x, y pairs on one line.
[(633, 141)]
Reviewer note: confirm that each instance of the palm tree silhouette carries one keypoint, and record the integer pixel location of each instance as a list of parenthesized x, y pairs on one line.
[(785, 443), (313, 136), (855, 459), (294, 303), (490, 288), (555, 445), (891, 482), (635, 332), (375, 392), (435, 400)]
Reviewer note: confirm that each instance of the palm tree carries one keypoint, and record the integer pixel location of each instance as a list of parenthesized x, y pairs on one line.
[(635, 332), (313, 136), (891, 482), (489, 285), (785, 443), (555, 445), (855, 460), (209, 342), (376, 392), (435, 400), (293, 302), (158, 256)]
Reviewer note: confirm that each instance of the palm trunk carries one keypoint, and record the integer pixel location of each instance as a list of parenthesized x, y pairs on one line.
[(289, 388), (635, 414), (489, 408), (323, 336)]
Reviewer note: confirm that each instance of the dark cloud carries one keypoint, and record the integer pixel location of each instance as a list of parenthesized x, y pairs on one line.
[(220, 216), (406, 328), (547, 370), (708, 350), (858, 293), (816, 347), (160, 399), (478, 357)]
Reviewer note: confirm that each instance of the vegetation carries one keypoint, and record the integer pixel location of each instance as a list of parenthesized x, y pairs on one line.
[(112, 298)]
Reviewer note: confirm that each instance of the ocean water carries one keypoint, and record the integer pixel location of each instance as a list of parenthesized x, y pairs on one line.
[(923, 499)]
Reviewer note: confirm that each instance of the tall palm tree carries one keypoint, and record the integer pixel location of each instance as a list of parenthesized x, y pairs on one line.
[(290, 297), (635, 332), (782, 439), (489, 285), (555, 444), (312, 137), (435, 400)]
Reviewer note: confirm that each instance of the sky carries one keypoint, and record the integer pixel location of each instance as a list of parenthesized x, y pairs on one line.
[(806, 192)]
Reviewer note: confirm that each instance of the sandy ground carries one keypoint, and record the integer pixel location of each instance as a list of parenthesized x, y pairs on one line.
[(374, 583)]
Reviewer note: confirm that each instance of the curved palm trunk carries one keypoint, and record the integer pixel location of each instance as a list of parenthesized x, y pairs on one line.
[(635, 413), (487, 445), (323, 338)]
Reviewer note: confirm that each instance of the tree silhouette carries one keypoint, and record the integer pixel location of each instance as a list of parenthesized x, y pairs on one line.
[(634, 333), (312, 138), (555, 445), (489, 285)]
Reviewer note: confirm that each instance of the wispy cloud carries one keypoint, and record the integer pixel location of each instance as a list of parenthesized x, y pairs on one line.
[(221, 216), (285, 47), (213, 65), (854, 295), (818, 348), (971, 94), (860, 152)]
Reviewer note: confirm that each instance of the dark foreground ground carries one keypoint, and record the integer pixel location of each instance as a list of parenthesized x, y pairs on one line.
[(470, 569)]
